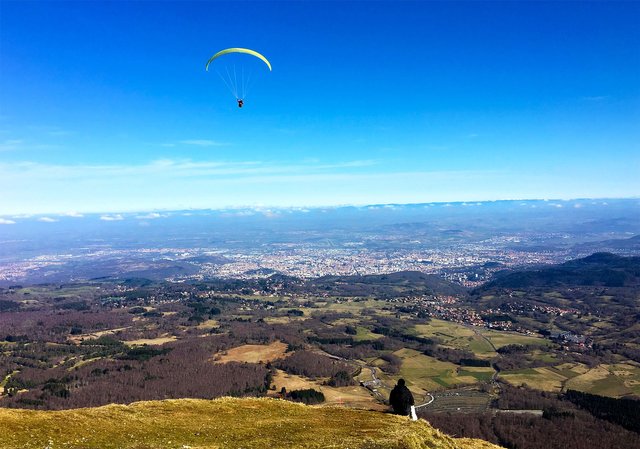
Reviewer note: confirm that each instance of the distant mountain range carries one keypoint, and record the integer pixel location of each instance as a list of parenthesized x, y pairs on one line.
[(618, 245), (599, 269)]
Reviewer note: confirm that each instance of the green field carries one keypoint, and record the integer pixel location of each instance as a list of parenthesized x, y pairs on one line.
[(456, 336), (365, 334), (429, 374), (482, 374), (502, 338), (459, 401)]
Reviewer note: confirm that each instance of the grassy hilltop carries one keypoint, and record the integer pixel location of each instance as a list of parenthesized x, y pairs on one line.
[(222, 423)]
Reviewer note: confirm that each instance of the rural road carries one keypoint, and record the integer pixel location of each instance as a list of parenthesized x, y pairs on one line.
[(427, 403), (373, 384)]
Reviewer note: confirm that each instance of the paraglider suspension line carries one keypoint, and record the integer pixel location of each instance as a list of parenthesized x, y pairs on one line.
[(239, 90), (246, 84), (235, 80), (227, 82)]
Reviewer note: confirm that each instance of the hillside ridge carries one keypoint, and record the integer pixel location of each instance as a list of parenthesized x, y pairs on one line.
[(257, 423), (598, 269)]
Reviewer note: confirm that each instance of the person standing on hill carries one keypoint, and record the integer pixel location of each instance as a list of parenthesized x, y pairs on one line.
[(401, 399)]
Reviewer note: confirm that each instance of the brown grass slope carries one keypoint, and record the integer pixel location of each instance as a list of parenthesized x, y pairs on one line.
[(220, 424)]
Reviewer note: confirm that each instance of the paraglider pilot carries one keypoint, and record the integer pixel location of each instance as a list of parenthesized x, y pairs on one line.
[(240, 102)]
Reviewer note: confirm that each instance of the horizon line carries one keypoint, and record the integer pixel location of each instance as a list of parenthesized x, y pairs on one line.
[(266, 208)]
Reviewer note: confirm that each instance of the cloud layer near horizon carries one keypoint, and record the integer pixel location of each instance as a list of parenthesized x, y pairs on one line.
[(30, 187)]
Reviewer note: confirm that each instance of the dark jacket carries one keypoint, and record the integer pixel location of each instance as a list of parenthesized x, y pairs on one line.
[(401, 400)]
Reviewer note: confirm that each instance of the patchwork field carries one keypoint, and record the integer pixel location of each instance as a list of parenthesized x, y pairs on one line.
[(616, 380), (458, 336), (478, 340)]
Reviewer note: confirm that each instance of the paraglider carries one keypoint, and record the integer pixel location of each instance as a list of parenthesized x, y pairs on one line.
[(237, 83)]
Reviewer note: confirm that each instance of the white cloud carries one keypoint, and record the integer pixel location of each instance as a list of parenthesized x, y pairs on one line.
[(202, 143), (20, 144), (4, 221), (150, 216), (596, 98), (73, 214), (53, 131), (47, 219), (169, 168), (116, 217), (10, 144), (240, 213)]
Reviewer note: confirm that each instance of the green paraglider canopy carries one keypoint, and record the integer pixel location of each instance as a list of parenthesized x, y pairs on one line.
[(238, 50)]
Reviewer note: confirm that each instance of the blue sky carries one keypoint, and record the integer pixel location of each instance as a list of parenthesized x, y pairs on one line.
[(106, 106)]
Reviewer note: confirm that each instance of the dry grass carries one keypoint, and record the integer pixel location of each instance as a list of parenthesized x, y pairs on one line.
[(208, 324), (253, 353), (78, 338), (354, 396), (151, 341), (538, 378), (223, 423)]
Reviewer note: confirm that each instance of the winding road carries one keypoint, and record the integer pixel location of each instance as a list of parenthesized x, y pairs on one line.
[(375, 383)]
